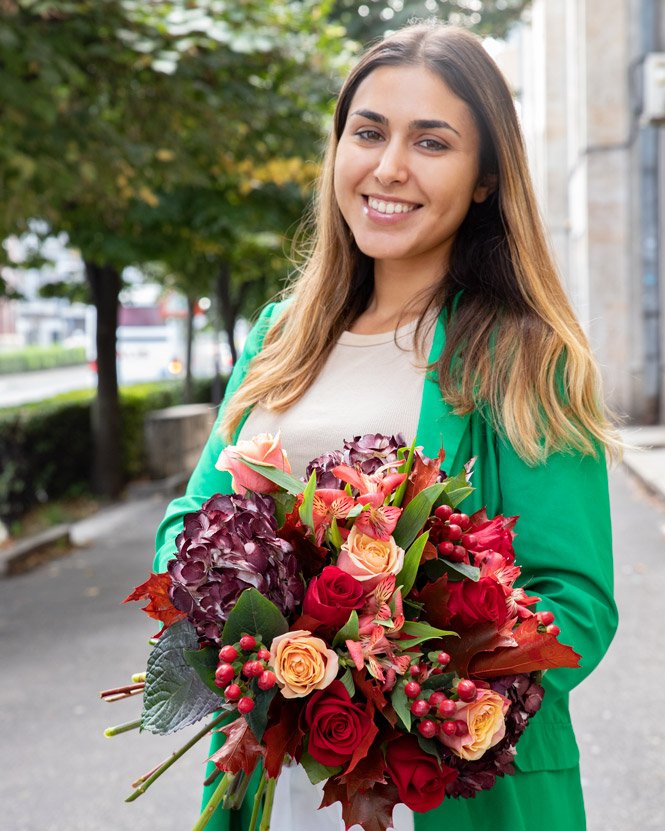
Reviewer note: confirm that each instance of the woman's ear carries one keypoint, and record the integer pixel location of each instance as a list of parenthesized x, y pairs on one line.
[(486, 186)]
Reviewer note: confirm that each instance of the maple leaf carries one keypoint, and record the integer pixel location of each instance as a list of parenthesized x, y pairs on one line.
[(435, 597), (285, 736), (481, 637), (371, 689), (423, 474), (240, 751), (371, 769), (535, 650), (372, 809), (156, 589)]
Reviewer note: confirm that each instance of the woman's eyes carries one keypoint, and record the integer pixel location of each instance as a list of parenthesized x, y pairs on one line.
[(427, 144)]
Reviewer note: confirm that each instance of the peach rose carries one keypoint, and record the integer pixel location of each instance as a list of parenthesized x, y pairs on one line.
[(369, 560), (261, 450), (302, 663), (485, 723)]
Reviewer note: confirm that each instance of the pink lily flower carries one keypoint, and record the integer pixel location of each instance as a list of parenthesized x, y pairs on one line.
[(373, 488), (329, 504), (380, 522)]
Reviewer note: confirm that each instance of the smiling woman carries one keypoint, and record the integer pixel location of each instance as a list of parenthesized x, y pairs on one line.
[(429, 304)]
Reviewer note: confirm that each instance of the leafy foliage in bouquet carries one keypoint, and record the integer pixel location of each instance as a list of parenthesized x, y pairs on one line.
[(357, 622)]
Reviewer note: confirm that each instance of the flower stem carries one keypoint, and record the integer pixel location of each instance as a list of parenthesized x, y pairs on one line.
[(166, 764), (213, 802), (267, 805), (257, 803), (128, 688), (122, 728)]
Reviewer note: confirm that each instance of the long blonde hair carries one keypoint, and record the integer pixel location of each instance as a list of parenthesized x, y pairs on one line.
[(513, 345)]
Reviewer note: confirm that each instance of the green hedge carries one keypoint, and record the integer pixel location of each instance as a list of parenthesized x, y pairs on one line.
[(46, 447), (40, 357)]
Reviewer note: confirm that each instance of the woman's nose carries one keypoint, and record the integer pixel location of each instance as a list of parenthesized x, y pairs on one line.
[(392, 166)]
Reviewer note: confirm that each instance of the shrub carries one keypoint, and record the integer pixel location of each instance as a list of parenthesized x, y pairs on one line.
[(40, 357)]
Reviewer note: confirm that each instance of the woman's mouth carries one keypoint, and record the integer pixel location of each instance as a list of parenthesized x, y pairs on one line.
[(387, 211)]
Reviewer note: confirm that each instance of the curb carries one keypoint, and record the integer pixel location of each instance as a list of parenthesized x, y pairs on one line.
[(17, 555)]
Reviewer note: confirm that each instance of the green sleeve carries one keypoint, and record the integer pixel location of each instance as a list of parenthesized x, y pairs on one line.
[(564, 545), (206, 480)]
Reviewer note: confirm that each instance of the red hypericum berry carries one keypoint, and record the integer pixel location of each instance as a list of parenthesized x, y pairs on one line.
[(420, 708), (247, 643), (463, 521), (267, 680), (415, 670), (460, 727), (469, 541), (454, 532), (466, 690), (552, 629), (459, 554), (228, 654), (232, 692), (223, 674), (443, 512), (412, 689), (448, 728), (437, 671), (455, 519), (446, 548), (443, 658), (252, 668), (245, 705), (436, 698), (263, 655), (546, 618), (447, 708), (427, 728)]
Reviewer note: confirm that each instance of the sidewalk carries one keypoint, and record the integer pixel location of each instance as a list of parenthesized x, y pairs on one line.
[(647, 461)]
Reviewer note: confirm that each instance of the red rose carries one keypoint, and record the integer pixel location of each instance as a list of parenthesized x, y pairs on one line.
[(332, 595), (336, 725), (476, 602), (495, 535), (421, 780)]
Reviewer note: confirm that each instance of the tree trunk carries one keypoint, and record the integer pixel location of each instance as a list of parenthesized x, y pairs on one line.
[(227, 308), (189, 338), (105, 285)]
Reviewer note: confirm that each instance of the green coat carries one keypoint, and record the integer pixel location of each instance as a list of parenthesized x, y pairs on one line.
[(564, 547)]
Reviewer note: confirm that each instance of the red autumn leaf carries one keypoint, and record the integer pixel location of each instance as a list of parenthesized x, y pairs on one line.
[(436, 597), (535, 650), (422, 476), (362, 749), (482, 637), (371, 689), (429, 552), (240, 751), (156, 589), (372, 809), (285, 736), (306, 622), (372, 767)]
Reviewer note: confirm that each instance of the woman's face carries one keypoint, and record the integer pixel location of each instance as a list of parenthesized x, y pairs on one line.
[(406, 168)]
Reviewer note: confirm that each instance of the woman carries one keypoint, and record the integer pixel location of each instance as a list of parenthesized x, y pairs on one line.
[(428, 248)]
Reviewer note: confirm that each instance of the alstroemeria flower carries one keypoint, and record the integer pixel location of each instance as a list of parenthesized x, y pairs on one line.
[(378, 522), (329, 504), (374, 488)]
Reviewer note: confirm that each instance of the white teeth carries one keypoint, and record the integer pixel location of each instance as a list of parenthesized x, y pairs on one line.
[(389, 207)]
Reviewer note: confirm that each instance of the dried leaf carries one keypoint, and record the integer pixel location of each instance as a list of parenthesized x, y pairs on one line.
[(435, 597), (240, 751), (371, 769), (535, 650), (156, 589), (371, 689), (285, 736), (422, 476), (483, 637), (372, 809), (311, 557)]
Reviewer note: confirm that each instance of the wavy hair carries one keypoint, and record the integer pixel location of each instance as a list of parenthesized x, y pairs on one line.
[(514, 348)]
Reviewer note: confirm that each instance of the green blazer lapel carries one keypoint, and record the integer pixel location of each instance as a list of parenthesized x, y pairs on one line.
[(438, 425)]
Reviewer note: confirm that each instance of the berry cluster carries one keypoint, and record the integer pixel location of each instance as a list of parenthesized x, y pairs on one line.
[(435, 710), (235, 671), (448, 533)]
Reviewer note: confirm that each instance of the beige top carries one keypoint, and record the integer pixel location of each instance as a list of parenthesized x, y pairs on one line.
[(369, 384)]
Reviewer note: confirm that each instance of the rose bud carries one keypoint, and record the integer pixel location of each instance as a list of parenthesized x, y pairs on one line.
[(420, 778), (332, 596)]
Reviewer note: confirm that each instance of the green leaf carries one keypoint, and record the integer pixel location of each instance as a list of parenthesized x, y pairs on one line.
[(434, 569), (315, 770), (438, 682), (333, 535), (278, 476), (347, 680), (348, 632), (205, 662), (399, 493), (174, 696), (257, 719), (407, 576), (429, 746), (255, 615), (306, 510), (415, 515), (456, 489), (423, 632), (284, 503), (401, 704)]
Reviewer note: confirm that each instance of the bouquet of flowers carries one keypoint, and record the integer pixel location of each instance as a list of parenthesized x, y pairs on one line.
[(360, 625)]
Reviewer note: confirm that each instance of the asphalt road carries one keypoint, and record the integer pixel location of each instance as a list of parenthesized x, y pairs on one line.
[(64, 636), (24, 387)]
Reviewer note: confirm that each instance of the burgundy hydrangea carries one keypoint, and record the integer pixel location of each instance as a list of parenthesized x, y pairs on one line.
[(230, 545), (323, 465), (370, 452), (526, 697)]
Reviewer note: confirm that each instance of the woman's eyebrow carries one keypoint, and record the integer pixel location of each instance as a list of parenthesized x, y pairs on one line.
[(419, 124)]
